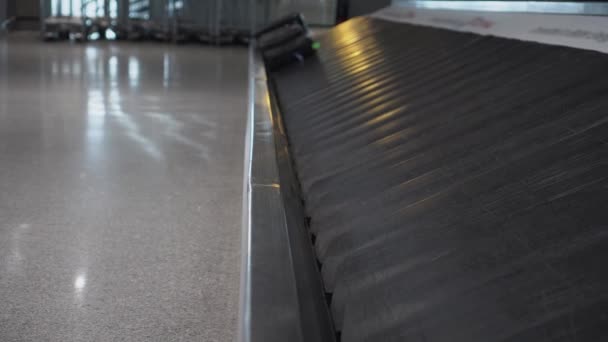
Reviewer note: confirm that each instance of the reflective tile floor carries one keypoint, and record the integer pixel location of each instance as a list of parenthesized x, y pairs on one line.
[(120, 191)]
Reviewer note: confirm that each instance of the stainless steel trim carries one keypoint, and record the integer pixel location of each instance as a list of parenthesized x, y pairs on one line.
[(269, 301), (578, 8), (282, 296)]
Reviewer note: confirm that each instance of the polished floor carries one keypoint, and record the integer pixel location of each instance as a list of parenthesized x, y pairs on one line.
[(120, 191)]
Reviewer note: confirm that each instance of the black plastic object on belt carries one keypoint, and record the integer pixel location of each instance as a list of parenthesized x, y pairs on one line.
[(285, 41)]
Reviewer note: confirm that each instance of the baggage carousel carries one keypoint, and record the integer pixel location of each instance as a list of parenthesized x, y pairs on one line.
[(430, 185)]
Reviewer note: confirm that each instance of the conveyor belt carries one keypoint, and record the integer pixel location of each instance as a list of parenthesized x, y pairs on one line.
[(457, 184)]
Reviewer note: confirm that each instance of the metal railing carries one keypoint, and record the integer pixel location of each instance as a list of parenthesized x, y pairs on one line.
[(209, 21)]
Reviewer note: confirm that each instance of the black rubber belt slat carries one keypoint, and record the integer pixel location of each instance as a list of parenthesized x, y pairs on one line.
[(457, 184)]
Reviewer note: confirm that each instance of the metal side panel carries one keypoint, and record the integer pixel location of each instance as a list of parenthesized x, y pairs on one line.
[(281, 295), (456, 183), (314, 312), (269, 298)]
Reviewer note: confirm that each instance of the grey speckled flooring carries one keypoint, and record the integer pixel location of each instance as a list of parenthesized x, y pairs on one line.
[(120, 191)]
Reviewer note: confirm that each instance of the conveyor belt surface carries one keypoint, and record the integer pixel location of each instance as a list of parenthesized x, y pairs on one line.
[(457, 184)]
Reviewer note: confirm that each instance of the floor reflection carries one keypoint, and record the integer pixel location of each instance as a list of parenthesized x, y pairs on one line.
[(120, 169)]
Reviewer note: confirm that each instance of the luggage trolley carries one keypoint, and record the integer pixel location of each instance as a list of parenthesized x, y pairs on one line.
[(61, 19), (220, 21), (193, 20), (78, 19), (144, 19), (240, 19), (205, 21), (100, 17)]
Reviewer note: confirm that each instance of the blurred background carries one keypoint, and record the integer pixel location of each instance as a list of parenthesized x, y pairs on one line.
[(203, 20)]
